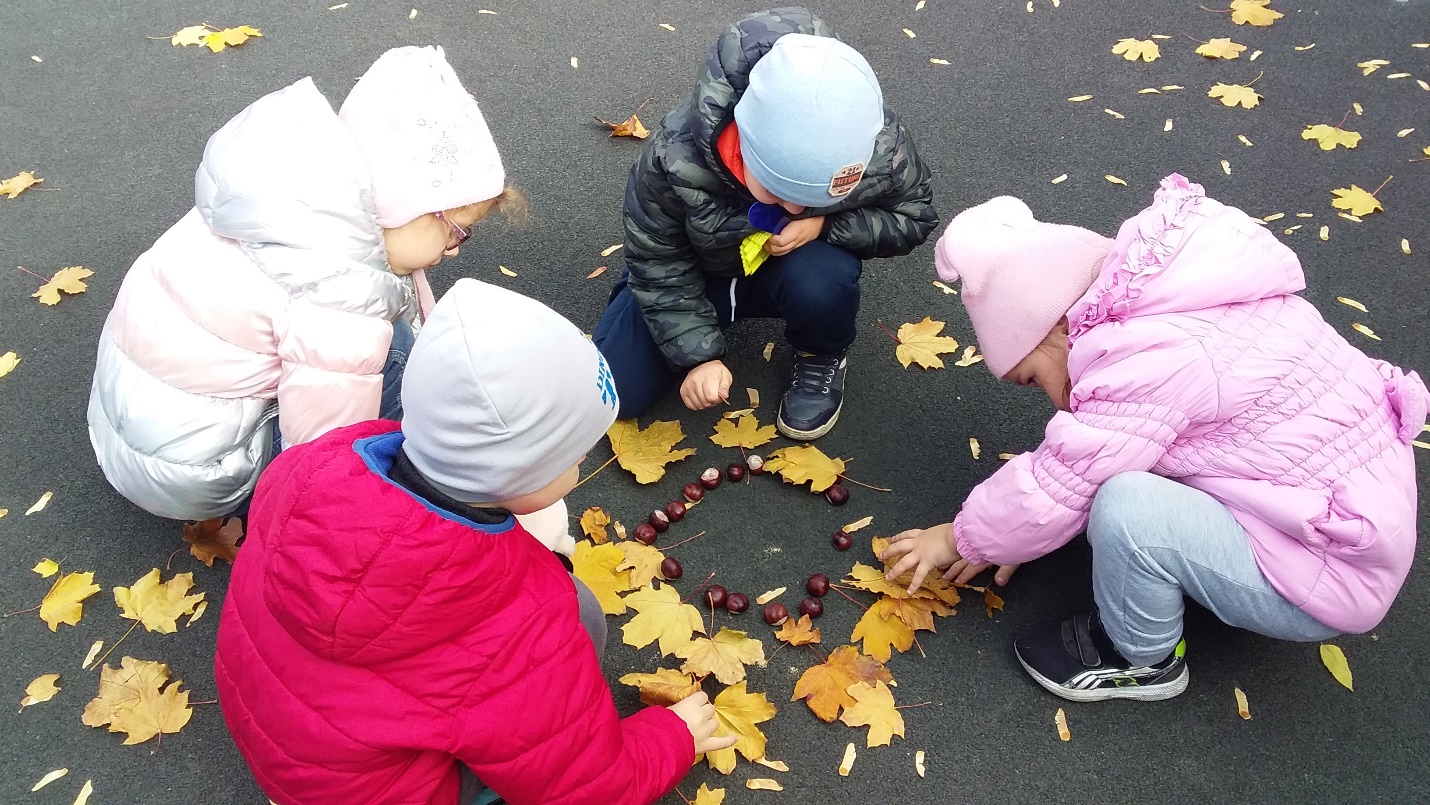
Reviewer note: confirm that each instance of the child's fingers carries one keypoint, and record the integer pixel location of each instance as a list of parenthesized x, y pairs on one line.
[(919, 576), (904, 535), (905, 564), (1005, 572), (895, 550), (970, 571)]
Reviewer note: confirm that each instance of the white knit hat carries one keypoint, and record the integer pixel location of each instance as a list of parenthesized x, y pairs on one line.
[(426, 143), (501, 395)]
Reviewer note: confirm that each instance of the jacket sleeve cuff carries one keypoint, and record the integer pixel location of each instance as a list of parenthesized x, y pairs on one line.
[(965, 548)]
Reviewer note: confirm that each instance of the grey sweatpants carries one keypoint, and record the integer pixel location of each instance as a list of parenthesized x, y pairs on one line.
[(1153, 541), (594, 619)]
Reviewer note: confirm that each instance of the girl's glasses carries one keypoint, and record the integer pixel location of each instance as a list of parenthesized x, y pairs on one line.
[(462, 235)]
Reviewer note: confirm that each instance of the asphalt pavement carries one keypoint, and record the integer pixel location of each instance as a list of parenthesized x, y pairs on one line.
[(96, 101)]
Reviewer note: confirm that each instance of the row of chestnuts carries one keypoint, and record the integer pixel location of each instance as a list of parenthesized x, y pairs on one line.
[(717, 597)]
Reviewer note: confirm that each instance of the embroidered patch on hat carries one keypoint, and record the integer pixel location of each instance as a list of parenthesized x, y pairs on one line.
[(845, 179)]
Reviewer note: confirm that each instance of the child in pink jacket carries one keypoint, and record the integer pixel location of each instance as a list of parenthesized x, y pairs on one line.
[(1215, 438), (284, 303)]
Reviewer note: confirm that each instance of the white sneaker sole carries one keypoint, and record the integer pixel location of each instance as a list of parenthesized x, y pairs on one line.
[(1150, 693), (808, 435)]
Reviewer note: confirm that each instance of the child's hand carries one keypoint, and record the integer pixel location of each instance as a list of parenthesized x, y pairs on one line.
[(794, 235), (706, 385), (923, 551), (699, 716), (961, 572)]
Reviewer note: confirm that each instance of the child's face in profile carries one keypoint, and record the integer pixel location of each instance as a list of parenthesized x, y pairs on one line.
[(425, 240), (766, 197), (1047, 366)]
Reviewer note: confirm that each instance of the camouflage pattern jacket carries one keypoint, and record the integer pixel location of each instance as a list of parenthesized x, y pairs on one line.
[(685, 213)]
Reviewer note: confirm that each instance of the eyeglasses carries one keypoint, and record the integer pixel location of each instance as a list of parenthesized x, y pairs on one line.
[(462, 235)]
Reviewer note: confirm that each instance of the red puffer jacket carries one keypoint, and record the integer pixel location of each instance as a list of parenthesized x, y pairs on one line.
[(371, 640)]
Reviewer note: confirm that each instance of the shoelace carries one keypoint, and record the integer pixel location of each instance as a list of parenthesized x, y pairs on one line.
[(814, 373)]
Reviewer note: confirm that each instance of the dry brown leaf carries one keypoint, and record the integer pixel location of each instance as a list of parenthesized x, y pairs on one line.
[(805, 463), (737, 711), (134, 699), (598, 567), (64, 602), (598, 272), (754, 397), (725, 655), (970, 356), (991, 601), (745, 432), (824, 687), (646, 452), (19, 183), (662, 688), (661, 616), (921, 343), (874, 708), (69, 280), (593, 524), (214, 539), (797, 633), (630, 127), (41, 689)]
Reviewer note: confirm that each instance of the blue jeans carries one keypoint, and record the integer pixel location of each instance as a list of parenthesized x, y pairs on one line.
[(1155, 540), (814, 288)]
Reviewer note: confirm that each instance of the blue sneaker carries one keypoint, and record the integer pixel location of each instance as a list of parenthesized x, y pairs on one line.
[(1076, 660), (816, 394)]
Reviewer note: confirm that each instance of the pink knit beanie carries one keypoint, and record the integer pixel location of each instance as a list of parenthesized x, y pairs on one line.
[(426, 143), (1019, 275)]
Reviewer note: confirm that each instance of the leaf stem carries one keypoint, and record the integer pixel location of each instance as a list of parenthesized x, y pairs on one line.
[(907, 706), (100, 662), (861, 483), (33, 274), (687, 598), (215, 701), (1256, 79), (1383, 184), (598, 469), (822, 658), (176, 552), (1215, 10), (1344, 119), (682, 542), (880, 322), (1194, 39), (682, 796), (835, 587), (23, 611)]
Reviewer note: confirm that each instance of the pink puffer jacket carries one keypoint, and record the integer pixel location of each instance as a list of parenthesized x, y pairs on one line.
[(1193, 358), (274, 287)]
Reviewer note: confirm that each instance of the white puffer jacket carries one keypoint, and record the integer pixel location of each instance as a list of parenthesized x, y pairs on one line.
[(274, 288)]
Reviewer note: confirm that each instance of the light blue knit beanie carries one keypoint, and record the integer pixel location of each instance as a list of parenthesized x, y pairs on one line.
[(809, 118)]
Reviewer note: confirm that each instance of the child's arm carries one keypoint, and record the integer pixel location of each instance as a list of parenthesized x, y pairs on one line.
[(332, 369), (665, 277), (896, 222)]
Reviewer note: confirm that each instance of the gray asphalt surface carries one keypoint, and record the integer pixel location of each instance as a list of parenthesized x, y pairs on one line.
[(115, 123)]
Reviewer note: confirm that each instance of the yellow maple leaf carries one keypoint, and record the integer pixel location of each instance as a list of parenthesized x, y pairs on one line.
[(797, 633), (157, 605), (41, 689), (230, 37), (867, 578), (1134, 49), (1355, 201), (597, 566), (744, 432), (918, 613), (1253, 12), (660, 615), (646, 452), (1233, 94), (593, 524), (921, 343), (192, 35), (874, 708), (1328, 137), (63, 603), (67, 280), (1221, 48), (824, 687), (19, 183), (662, 688), (806, 463), (725, 655), (133, 699), (708, 796), (737, 711), (46, 568), (8, 362), (881, 631), (643, 562)]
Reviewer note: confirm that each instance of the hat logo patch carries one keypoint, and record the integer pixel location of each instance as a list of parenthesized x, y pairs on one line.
[(605, 382), (845, 179)]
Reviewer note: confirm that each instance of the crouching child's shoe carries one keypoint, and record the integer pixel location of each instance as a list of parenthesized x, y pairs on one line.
[(811, 405), (1076, 660)]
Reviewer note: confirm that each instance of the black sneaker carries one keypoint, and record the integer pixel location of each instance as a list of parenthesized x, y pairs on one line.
[(816, 393), (1076, 660)]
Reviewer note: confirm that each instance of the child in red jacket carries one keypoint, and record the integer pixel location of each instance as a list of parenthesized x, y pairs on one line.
[(393, 635)]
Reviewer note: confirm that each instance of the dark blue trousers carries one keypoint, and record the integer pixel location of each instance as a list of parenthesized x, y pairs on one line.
[(814, 288)]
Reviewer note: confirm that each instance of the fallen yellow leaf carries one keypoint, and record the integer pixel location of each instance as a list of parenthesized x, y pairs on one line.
[(661, 616), (943, 62), (882, 632), (777, 765), (945, 288), (46, 568), (1253, 12), (49, 778), (1393, 76), (1114, 180), (797, 633), (39, 505), (593, 524), (1244, 140), (1328, 137), (662, 688), (1303, 47), (921, 343), (41, 689), (198, 613), (770, 595), (857, 524), (1233, 94), (1115, 114), (68, 280), (1226, 167), (1355, 201), (1168, 125), (1335, 662), (192, 35), (598, 272), (974, 448), (725, 655), (763, 784), (1404, 132), (708, 796), (93, 652), (64, 602), (1242, 709), (1325, 233), (1364, 330), (19, 183), (1352, 303), (230, 37), (8, 362), (874, 708), (824, 687), (84, 792), (597, 567), (1134, 49), (746, 432), (646, 452), (737, 712), (919, 762), (157, 605), (506, 271), (805, 463), (1371, 65), (1080, 98), (134, 699), (1222, 48)]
